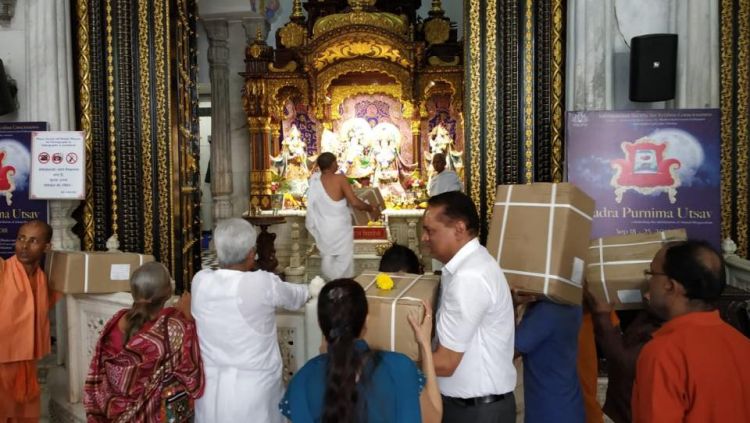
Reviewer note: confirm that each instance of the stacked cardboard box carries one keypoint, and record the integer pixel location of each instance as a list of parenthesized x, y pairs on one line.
[(616, 265), (388, 328), (78, 272), (539, 234)]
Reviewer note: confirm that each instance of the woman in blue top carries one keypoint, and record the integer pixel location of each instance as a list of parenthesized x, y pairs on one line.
[(351, 382)]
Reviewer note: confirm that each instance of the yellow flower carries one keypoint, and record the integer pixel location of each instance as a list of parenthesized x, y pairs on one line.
[(384, 282)]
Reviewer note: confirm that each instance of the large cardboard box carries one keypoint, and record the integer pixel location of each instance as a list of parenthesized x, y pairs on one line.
[(78, 272), (616, 265), (539, 235), (369, 195), (387, 327)]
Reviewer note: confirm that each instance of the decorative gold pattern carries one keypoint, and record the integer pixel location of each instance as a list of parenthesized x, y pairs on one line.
[(162, 133), (292, 35), (186, 144), (326, 77), (437, 30), (490, 138), (436, 61), (340, 93), (454, 77), (735, 148), (111, 116), (360, 45), (473, 131), (557, 104), (727, 60), (289, 67), (255, 51), (273, 89), (528, 108), (85, 98), (387, 21), (743, 90), (145, 97), (297, 12)]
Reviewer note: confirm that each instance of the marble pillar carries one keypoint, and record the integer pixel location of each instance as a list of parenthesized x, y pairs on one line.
[(221, 149), (598, 51), (50, 99), (51, 93)]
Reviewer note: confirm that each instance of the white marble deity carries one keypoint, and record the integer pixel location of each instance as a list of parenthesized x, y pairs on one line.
[(291, 165), (387, 140)]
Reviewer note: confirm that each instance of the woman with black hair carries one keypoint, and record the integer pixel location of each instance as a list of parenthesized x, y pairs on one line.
[(352, 383)]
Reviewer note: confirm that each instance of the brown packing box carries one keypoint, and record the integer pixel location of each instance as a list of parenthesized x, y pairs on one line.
[(78, 272), (616, 264), (369, 195), (542, 249), (387, 327)]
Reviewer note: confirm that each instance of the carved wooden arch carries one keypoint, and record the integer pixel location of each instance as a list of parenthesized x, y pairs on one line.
[(322, 82), (339, 94), (454, 80), (275, 94), (363, 43)]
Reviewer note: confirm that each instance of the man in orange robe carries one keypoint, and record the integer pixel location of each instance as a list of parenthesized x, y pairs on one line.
[(24, 323), (696, 368)]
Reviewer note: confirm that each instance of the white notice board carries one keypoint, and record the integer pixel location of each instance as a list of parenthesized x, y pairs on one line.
[(58, 166)]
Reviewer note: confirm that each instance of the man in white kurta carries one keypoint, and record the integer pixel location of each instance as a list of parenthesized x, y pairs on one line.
[(445, 180), (235, 313), (329, 220)]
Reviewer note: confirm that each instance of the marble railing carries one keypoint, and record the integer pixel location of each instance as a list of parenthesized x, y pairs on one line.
[(295, 247)]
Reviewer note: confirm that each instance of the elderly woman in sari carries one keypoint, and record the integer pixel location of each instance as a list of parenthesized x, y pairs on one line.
[(147, 365)]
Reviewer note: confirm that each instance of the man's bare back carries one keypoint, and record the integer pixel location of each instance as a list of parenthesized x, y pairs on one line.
[(337, 187)]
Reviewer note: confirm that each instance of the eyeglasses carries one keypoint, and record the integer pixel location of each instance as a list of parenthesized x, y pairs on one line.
[(649, 274)]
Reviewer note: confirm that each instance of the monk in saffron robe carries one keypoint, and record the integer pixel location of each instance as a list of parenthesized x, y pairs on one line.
[(695, 369), (24, 323)]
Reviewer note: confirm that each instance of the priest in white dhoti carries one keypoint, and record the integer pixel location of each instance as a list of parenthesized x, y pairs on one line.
[(444, 180), (235, 313), (329, 218)]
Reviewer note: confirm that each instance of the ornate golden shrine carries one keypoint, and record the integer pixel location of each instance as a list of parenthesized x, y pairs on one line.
[(343, 52)]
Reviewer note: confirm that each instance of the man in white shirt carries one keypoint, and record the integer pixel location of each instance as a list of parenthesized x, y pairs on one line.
[(474, 322), (235, 313), (444, 180)]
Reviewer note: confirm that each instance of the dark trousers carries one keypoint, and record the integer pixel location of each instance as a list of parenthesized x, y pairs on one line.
[(503, 411)]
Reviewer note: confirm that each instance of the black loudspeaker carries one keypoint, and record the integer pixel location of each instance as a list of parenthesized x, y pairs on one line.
[(653, 67), (7, 93)]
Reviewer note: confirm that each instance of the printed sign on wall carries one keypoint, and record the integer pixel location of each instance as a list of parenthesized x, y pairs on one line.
[(648, 170), (58, 169)]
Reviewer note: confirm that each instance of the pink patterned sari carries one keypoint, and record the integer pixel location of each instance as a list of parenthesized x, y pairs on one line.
[(126, 385)]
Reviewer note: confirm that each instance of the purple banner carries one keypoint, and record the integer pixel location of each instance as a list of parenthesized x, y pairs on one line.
[(15, 206), (648, 170)]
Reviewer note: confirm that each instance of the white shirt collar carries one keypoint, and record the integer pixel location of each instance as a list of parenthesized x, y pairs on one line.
[(464, 252)]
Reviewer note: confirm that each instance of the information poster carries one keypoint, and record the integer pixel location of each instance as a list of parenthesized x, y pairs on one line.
[(58, 169), (648, 170), (16, 207)]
